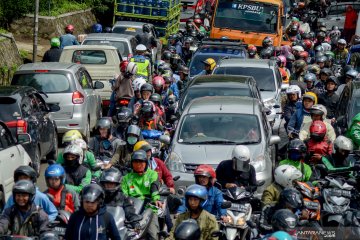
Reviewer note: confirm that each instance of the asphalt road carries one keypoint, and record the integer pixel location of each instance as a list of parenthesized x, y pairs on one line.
[(41, 180)]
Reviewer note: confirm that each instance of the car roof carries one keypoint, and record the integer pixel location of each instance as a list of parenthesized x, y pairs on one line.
[(223, 104), (90, 47), (109, 36), (48, 66), (129, 23), (236, 62), (343, 3), (221, 79), (15, 91)]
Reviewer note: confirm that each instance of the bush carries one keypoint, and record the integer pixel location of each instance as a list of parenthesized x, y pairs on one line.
[(12, 9)]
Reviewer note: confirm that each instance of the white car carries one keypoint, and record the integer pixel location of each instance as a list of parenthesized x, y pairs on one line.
[(336, 14), (12, 155)]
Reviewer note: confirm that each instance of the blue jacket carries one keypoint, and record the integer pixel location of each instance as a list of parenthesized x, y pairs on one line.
[(68, 40), (297, 118), (42, 201), (213, 204), (178, 47), (83, 227)]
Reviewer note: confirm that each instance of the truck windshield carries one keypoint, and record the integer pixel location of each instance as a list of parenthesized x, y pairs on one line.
[(246, 16)]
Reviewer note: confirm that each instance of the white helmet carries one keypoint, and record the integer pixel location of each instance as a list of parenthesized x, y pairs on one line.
[(343, 143), (285, 175), (326, 46), (131, 68), (319, 109), (140, 47), (241, 158), (74, 150), (137, 83), (298, 48), (342, 41), (294, 89), (81, 143)]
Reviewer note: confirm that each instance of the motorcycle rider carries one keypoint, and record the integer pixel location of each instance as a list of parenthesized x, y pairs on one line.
[(124, 118), (146, 90), (325, 74), (237, 172), (77, 175), (137, 84), (341, 53), (68, 39), (209, 65), (40, 199), (298, 71), (330, 99), (142, 182), (353, 131), (195, 199), (62, 197), (170, 87), (53, 54), (146, 38), (160, 110), (142, 62), (293, 93), (92, 221), (310, 80), (278, 218), (148, 118), (187, 53), (174, 40), (24, 217), (252, 52)]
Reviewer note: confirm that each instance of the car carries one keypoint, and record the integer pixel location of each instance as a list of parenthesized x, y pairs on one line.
[(219, 85), (125, 43), (216, 49), (12, 155), (336, 14), (24, 110), (210, 128), (69, 86), (267, 77)]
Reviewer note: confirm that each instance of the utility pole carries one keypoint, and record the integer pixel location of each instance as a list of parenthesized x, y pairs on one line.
[(36, 29)]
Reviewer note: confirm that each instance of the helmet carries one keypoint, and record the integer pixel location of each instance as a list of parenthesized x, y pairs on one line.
[(123, 65), (158, 63), (310, 95), (267, 42), (320, 35), (55, 170), (310, 77), (155, 98), (175, 59), (134, 130), (319, 48), (318, 109), (298, 48), (166, 55), (296, 150), (290, 197), (307, 44), (148, 108), (146, 28), (304, 55), (207, 171), (139, 155), (277, 51), (315, 69), (97, 28), (142, 145), (285, 175), (294, 89), (74, 150), (49, 236), (197, 191), (27, 171), (69, 28), (281, 235), (284, 220), (326, 71), (24, 186), (141, 48), (282, 59), (241, 158), (332, 79), (81, 143), (158, 81), (187, 230), (352, 73), (326, 46), (124, 115), (92, 192), (321, 59), (252, 50), (210, 62), (290, 57), (147, 87), (71, 135), (137, 83), (343, 143), (198, 20), (342, 41), (299, 64), (55, 42), (104, 122), (108, 30), (317, 130), (266, 53), (131, 68), (184, 69), (111, 175)]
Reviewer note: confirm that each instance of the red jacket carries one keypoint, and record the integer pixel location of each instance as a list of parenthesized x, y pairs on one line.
[(69, 199), (350, 18), (323, 148), (164, 173)]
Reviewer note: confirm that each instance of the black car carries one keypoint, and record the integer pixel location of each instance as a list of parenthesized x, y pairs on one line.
[(24, 110)]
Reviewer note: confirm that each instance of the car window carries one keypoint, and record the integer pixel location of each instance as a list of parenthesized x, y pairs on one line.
[(341, 9), (122, 46), (27, 107), (84, 80), (9, 109), (45, 82), (127, 30), (5, 138), (89, 57), (278, 77)]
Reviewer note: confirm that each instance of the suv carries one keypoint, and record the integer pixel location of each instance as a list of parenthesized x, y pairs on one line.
[(215, 49), (24, 110), (210, 128), (267, 77), (219, 85), (12, 155), (69, 86)]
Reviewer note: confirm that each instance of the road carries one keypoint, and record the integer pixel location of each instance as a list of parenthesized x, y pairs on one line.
[(41, 180)]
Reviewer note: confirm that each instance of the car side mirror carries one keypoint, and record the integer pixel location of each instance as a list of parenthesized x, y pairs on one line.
[(23, 138), (274, 140), (260, 183), (267, 111), (53, 108), (98, 85), (165, 139), (284, 87)]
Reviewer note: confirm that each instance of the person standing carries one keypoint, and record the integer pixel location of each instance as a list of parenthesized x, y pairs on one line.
[(350, 22)]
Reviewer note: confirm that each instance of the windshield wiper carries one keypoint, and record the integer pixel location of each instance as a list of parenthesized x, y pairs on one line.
[(265, 90), (248, 142), (215, 142)]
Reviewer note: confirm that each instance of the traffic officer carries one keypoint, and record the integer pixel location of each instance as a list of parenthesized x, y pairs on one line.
[(143, 64)]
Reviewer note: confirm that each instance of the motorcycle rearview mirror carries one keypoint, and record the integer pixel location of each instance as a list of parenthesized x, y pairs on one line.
[(51, 161), (176, 178), (351, 181), (165, 139), (260, 183), (216, 234), (226, 204)]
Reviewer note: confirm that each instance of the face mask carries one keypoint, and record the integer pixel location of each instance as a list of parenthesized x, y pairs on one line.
[(71, 163), (132, 140)]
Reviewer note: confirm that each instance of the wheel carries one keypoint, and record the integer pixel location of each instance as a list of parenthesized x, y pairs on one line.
[(87, 131), (53, 154), (36, 161)]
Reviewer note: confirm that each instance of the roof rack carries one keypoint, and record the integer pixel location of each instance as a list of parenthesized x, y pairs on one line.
[(219, 41)]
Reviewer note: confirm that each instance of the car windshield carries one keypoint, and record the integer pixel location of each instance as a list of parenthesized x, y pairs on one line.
[(341, 9), (9, 109), (127, 30), (264, 77), (220, 129), (246, 16), (122, 46), (197, 92), (45, 82)]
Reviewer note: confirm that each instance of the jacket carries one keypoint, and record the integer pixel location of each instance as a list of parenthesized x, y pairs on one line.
[(102, 226), (297, 77), (354, 131), (297, 118), (122, 156), (305, 131), (341, 55), (288, 110), (146, 39), (330, 102), (144, 186), (95, 145), (163, 172), (42, 201), (89, 162), (143, 65), (271, 194), (68, 40), (77, 177), (206, 221), (323, 148), (350, 18), (64, 199), (123, 87), (213, 204), (304, 168), (52, 55), (32, 223)]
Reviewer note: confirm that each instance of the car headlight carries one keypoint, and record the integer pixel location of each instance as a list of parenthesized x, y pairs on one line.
[(270, 103), (174, 163), (259, 163)]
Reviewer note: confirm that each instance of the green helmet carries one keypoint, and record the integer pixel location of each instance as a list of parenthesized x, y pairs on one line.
[(55, 42)]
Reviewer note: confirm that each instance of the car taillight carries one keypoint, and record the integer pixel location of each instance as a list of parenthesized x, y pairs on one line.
[(77, 98), (106, 103), (123, 102), (21, 126)]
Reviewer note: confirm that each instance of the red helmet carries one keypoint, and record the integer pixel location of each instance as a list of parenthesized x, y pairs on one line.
[(198, 20), (317, 129), (123, 65), (158, 81), (69, 28), (207, 171), (304, 55), (301, 5), (307, 44)]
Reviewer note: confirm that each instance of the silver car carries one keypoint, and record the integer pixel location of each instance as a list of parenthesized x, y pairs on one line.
[(210, 128), (69, 86)]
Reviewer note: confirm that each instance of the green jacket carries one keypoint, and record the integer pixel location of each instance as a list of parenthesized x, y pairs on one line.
[(354, 131), (206, 222), (271, 194), (304, 168), (139, 186), (85, 181), (89, 161)]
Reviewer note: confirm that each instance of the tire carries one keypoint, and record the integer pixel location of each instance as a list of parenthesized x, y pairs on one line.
[(87, 131), (53, 154), (36, 161)]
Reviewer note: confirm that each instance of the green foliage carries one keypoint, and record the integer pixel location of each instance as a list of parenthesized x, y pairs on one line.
[(102, 10), (60, 7), (12, 9)]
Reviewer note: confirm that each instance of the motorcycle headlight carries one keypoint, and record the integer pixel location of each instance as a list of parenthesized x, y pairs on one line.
[(259, 163), (231, 220), (174, 163), (241, 221)]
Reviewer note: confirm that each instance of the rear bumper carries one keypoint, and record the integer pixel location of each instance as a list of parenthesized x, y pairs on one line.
[(77, 122)]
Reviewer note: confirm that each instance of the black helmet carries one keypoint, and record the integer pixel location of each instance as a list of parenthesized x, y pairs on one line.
[(299, 64), (174, 37), (172, 49), (124, 115), (93, 192), (290, 57), (266, 53), (305, 36), (27, 171), (155, 98), (147, 108), (319, 48), (111, 175), (146, 28), (321, 59), (24, 186), (296, 150), (189, 39), (320, 35), (175, 59), (332, 79), (166, 55), (49, 236), (187, 230), (147, 87), (290, 197), (139, 155), (284, 220), (104, 122), (326, 71), (184, 69), (193, 33), (267, 42)]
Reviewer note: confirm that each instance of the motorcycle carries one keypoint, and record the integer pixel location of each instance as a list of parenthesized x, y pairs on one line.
[(158, 141), (60, 224), (311, 196)]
